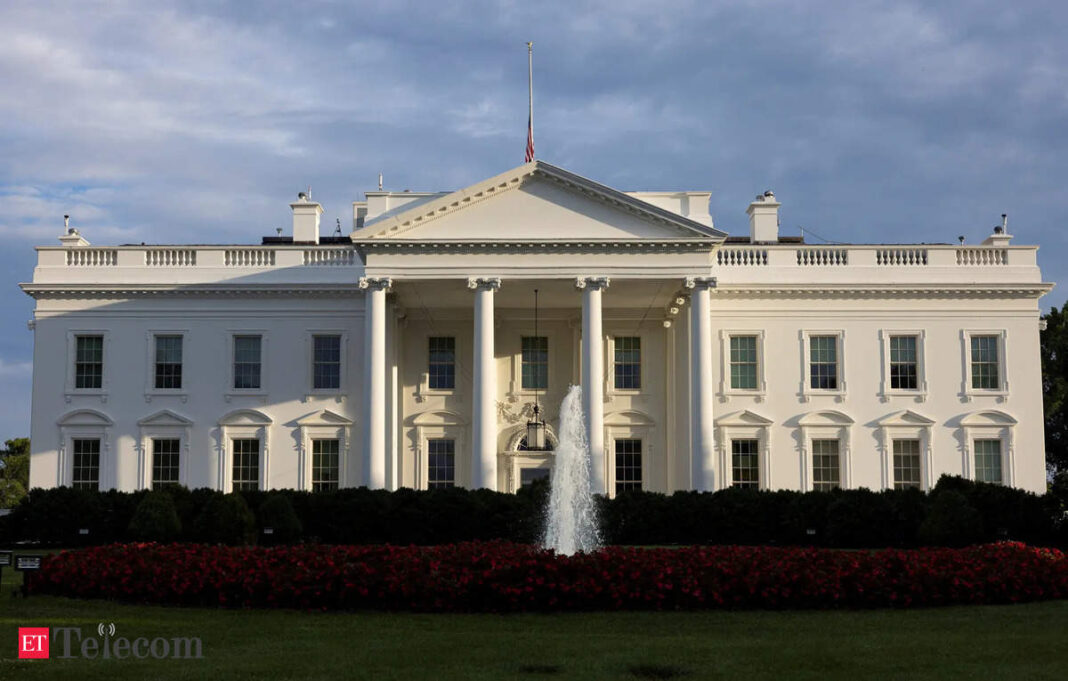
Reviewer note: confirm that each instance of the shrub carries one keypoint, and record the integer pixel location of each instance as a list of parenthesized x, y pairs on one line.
[(278, 514), (155, 519), (951, 522), (226, 519)]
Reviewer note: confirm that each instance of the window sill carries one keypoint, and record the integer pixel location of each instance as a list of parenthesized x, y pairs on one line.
[(166, 393), (71, 394), (1001, 395), (757, 395), (423, 393), (918, 395), (337, 395), (261, 394), (838, 395)]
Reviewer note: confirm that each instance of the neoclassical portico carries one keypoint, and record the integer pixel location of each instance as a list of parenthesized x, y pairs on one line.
[(606, 264)]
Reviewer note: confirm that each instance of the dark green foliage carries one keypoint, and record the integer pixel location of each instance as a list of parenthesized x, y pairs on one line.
[(14, 471), (226, 519), (277, 514), (156, 519), (1053, 344), (840, 518), (952, 521)]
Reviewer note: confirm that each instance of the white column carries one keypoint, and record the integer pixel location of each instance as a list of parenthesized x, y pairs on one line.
[(593, 377), (374, 396), (702, 440), (484, 446)]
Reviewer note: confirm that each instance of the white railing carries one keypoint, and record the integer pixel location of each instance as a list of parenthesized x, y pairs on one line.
[(741, 257), (336, 257), (901, 257), (982, 256), (249, 257), (171, 257), (822, 257), (92, 257)]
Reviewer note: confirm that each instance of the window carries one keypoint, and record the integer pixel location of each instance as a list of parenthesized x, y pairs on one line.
[(906, 464), (168, 363), (986, 374), (628, 465), (326, 363), (248, 356), (442, 364), (86, 460), (826, 465), (165, 462), (535, 363), (246, 464), (628, 364), (325, 465), (988, 461), (743, 362), (904, 368), (441, 463), (89, 363), (823, 362), (745, 463)]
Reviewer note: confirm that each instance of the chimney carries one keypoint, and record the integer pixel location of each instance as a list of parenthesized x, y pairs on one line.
[(71, 236), (1001, 236), (305, 220), (763, 215)]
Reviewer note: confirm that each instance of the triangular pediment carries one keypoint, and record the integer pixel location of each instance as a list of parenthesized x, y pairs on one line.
[(906, 418), (536, 201), (165, 417), (743, 418), (324, 418)]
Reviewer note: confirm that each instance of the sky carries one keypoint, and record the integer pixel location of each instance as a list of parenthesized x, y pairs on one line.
[(198, 122)]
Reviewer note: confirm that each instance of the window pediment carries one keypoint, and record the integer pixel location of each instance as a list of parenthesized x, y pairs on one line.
[(165, 417), (438, 418), (324, 418), (990, 417), (630, 417), (906, 418), (245, 417), (827, 417), (743, 418)]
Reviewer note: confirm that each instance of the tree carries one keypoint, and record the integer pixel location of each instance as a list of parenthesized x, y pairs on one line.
[(1054, 344), (15, 474)]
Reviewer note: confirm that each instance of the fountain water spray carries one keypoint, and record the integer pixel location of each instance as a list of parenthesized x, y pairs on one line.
[(571, 517)]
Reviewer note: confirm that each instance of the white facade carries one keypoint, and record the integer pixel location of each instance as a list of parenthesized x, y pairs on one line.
[(301, 363)]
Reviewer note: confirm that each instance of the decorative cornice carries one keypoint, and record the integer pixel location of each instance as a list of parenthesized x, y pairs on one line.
[(592, 283), (888, 290), (484, 283), (465, 246), (41, 291), (375, 283)]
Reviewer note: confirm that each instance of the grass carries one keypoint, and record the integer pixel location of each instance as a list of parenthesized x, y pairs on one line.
[(1024, 641)]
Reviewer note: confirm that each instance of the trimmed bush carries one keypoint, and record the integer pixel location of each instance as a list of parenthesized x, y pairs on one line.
[(277, 514), (951, 522), (226, 519), (156, 519)]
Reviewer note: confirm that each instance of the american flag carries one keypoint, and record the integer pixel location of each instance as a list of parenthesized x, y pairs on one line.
[(530, 141)]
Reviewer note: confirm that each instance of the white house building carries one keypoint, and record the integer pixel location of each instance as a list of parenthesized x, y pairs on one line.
[(406, 355)]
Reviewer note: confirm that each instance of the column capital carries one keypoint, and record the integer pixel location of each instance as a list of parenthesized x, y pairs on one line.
[(592, 283), (700, 283), (489, 283), (376, 283)]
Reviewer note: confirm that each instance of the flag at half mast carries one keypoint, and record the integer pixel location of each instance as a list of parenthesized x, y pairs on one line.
[(530, 116)]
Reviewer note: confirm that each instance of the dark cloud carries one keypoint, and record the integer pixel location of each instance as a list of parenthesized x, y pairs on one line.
[(198, 121)]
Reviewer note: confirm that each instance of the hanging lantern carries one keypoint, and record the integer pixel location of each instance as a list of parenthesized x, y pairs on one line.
[(536, 431)]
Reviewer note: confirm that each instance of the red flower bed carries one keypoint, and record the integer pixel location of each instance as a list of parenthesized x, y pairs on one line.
[(504, 577)]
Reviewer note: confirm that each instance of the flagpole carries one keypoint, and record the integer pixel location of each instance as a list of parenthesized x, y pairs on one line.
[(530, 88)]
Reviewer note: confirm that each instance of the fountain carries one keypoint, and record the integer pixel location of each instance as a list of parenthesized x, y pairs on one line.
[(571, 516)]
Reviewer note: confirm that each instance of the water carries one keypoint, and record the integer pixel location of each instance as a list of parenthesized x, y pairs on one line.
[(571, 517)]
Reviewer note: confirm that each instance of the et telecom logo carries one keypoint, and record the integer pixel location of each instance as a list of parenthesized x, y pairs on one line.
[(33, 643)]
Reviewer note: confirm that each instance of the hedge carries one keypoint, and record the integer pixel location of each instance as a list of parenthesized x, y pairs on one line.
[(956, 512)]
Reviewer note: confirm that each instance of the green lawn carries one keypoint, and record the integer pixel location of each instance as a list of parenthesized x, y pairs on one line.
[(1025, 642)]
